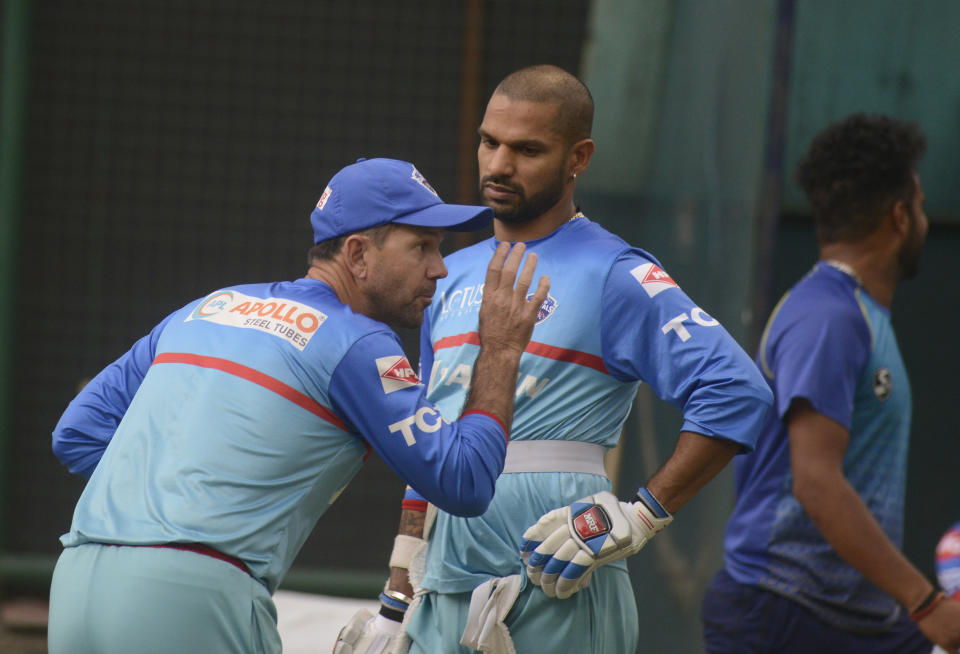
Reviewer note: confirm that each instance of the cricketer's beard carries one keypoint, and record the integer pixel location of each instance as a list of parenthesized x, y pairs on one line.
[(525, 209), (394, 303)]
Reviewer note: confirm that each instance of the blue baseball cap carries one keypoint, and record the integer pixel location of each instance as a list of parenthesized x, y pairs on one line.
[(374, 192)]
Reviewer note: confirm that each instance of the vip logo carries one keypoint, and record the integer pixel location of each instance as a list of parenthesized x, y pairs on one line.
[(592, 522), (882, 384), (396, 373), (418, 177), (653, 278), (323, 198)]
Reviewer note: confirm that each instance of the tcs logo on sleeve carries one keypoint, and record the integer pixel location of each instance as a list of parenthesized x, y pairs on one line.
[(427, 420)]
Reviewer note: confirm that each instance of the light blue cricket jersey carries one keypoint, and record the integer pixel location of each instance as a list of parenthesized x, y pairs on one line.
[(613, 318), (829, 342), (239, 419)]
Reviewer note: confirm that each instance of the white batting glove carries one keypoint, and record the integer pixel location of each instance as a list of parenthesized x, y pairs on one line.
[(567, 544), (367, 633)]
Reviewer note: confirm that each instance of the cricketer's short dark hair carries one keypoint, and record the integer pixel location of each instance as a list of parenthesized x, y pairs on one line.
[(326, 250), (545, 83), (855, 170)]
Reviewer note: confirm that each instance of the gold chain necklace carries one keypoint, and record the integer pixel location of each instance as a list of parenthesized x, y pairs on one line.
[(844, 268)]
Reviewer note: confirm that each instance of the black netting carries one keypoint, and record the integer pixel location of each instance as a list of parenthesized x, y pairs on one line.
[(176, 146)]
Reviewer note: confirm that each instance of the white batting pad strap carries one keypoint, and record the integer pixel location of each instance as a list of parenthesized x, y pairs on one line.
[(418, 566), (555, 456), (489, 605), (403, 549)]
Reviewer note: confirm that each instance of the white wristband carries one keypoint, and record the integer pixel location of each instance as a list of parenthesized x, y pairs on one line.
[(403, 549)]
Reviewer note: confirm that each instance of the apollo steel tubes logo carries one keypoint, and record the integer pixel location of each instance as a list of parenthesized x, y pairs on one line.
[(294, 322)]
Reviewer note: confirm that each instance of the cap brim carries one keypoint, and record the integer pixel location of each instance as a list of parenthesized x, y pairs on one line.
[(454, 217)]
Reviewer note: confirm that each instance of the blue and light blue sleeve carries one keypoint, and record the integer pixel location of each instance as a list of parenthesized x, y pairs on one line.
[(453, 465), (90, 420), (655, 333), (816, 354)]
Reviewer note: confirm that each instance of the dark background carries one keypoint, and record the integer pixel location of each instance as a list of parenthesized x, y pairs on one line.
[(175, 147)]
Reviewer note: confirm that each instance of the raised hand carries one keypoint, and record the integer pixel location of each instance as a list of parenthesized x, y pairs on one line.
[(507, 317)]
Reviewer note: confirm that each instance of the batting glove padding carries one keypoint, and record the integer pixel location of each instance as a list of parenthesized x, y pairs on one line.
[(367, 633), (567, 544)]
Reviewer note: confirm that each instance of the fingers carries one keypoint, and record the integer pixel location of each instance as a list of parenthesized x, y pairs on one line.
[(526, 275), (504, 264), (541, 556), (557, 567), (564, 571), (503, 268), (495, 266), (526, 278), (576, 575), (512, 264), (541, 529), (543, 287), (526, 547), (507, 317)]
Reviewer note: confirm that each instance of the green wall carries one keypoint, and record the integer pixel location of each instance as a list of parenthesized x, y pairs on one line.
[(886, 56), (703, 109)]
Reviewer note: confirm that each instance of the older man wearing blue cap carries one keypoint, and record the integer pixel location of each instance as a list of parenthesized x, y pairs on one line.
[(216, 442)]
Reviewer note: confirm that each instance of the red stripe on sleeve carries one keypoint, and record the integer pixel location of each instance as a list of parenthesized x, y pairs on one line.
[(506, 433)]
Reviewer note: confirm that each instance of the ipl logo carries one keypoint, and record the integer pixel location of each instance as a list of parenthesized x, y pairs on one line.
[(214, 304)]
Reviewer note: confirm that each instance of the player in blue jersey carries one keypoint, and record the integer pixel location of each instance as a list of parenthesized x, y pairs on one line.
[(216, 442), (812, 549), (613, 318)]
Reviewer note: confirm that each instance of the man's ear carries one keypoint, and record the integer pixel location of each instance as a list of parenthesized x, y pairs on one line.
[(900, 219), (580, 154), (354, 252)]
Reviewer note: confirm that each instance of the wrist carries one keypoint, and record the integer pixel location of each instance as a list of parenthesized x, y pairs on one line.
[(500, 356), (394, 604), (926, 607), (645, 497)]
